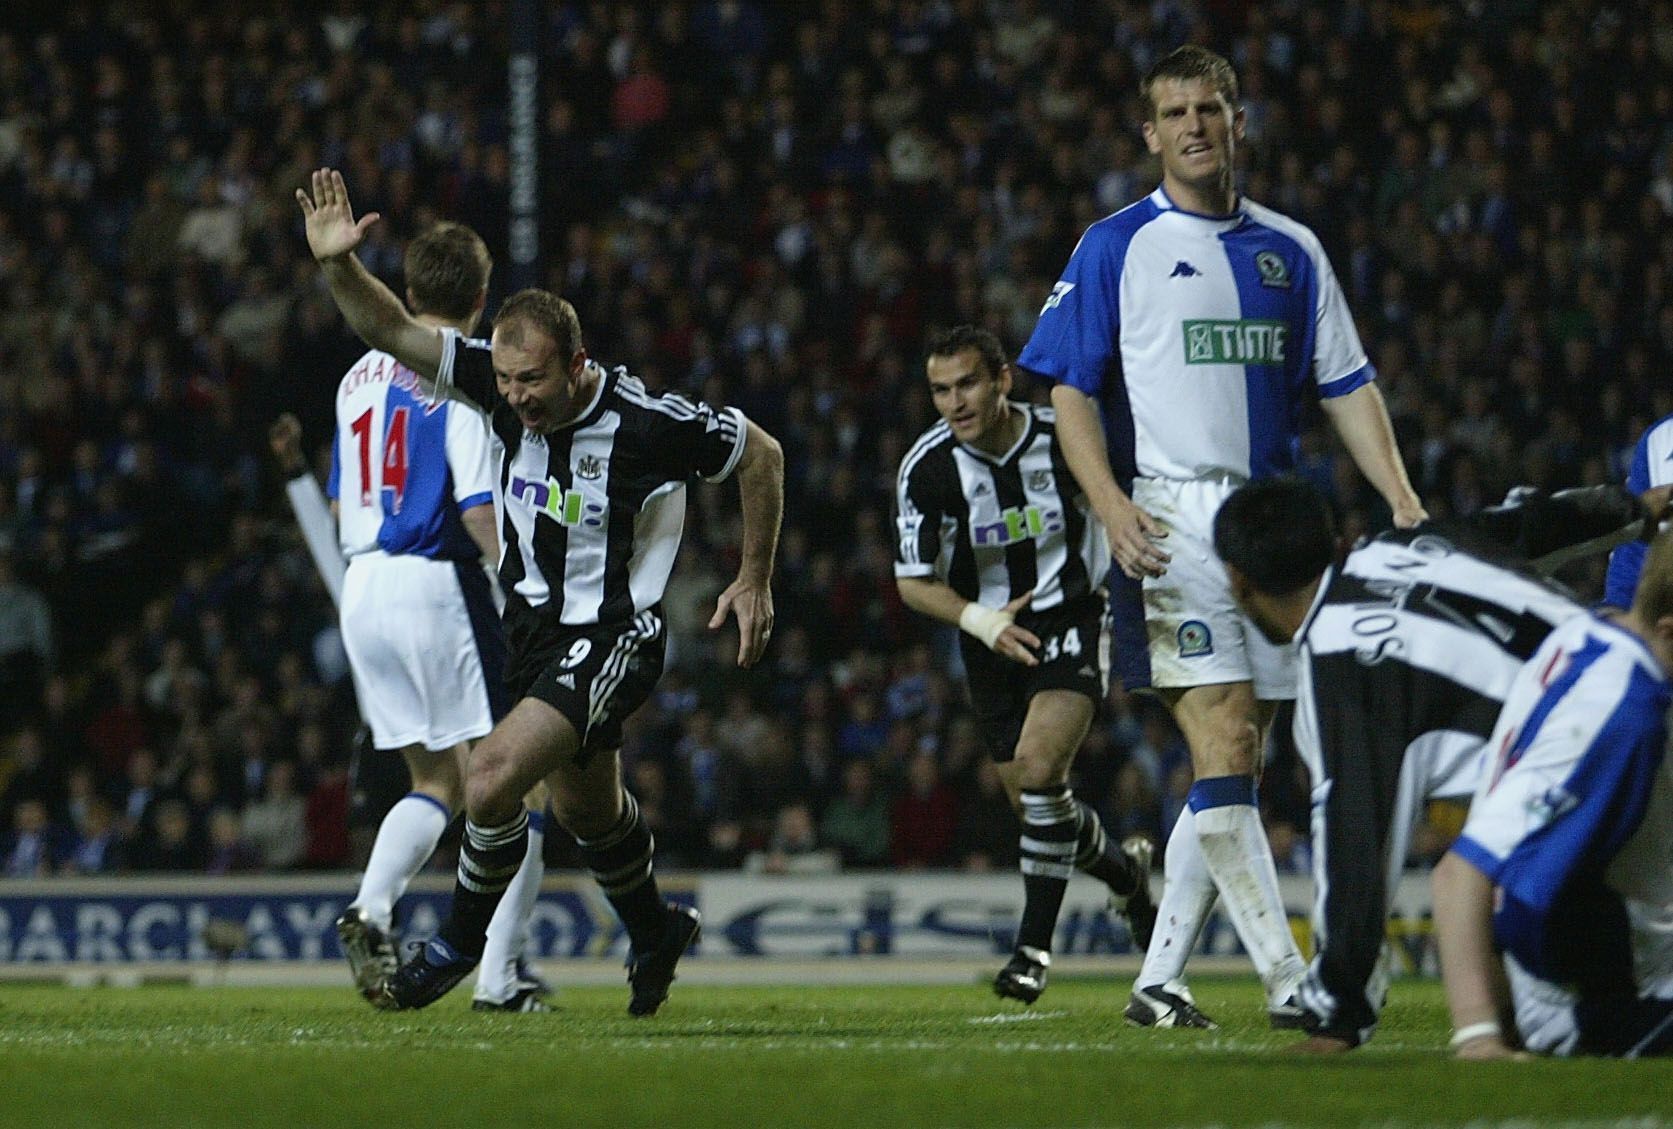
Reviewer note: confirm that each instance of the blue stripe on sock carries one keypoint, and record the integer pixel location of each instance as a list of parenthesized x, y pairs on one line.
[(1221, 792), (445, 813), (537, 821)]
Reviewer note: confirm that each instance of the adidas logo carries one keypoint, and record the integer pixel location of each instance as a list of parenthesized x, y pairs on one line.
[(567, 681)]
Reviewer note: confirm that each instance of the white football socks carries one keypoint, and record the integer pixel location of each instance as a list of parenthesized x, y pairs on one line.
[(406, 839), (1187, 897), (1237, 854)]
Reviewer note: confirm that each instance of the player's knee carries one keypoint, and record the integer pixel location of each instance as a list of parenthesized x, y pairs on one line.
[(1037, 767), (492, 794)]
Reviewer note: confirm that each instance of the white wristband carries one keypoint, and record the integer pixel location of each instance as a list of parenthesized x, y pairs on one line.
[(984, 623), (1473, 1031)]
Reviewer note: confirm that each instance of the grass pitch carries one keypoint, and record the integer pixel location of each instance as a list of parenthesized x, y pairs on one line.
[(739, 1057)]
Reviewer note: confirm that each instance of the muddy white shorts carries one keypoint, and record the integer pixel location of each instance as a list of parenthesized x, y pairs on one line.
[(1197, 635)]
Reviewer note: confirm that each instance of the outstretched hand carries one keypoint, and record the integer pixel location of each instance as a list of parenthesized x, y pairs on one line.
[(329, 217), (285, 438), (752, 603)]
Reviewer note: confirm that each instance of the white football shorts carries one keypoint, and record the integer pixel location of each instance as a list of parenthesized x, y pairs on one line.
[(417, 660), (1197, 635)]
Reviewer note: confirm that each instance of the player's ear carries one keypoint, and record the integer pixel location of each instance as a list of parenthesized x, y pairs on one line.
[(1151, 141), (1006, 379), (578, 362), (1239, 123)]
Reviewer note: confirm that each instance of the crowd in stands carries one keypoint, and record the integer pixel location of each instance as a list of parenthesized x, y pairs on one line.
[(768, 205)]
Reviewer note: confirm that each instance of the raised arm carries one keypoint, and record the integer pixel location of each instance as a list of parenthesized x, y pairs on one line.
[(1132, 531), (372, 310), (761, 492), (1361, 419), (313, 513)]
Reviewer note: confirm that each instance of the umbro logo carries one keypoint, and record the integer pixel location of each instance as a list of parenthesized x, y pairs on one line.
[(1183, 269), (567, 681)]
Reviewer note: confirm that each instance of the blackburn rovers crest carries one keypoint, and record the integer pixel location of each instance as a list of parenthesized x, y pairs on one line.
[(1195, 640)]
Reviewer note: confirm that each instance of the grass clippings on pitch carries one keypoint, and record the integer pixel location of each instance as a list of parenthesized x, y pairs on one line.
[(843, 1056)]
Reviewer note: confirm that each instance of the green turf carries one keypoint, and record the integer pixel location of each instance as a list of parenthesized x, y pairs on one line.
[(744, 1056)]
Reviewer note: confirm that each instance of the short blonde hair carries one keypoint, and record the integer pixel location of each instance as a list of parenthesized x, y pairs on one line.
[(544, 311)]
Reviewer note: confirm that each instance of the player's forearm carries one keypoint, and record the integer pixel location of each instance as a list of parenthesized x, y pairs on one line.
[(1361, 419), (1550, 530), (929, 596), (319, 530), (1471, 969), (1080, 434), (761, 494), (377, 316), (479, 523)]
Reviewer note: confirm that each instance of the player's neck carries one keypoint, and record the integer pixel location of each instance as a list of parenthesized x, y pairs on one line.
[(581, 393), (1003, 435), (435, 321), (1291, 610), (1657, 641), (1217, 198)]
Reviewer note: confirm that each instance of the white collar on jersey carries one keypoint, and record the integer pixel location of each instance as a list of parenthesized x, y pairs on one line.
[(1163, 201)]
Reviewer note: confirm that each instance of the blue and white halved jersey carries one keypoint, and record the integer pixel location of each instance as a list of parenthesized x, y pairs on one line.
[(1211, 326), (1559, 821), (1652, 465), (403, 465)]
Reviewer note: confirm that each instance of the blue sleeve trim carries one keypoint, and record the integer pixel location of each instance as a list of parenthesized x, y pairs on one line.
[(484, 498), (1221, 792), (1478, 856), (1342, 385)]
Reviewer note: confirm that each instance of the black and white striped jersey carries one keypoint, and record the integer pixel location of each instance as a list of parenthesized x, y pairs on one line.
[(1404, 662), (1433, 622), (593, 511), (994, 527)]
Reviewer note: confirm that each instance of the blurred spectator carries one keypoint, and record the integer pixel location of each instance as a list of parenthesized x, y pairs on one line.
[(856, 821), (276, 826), (32, 847), (229, 851), (923, 817), (25, 644), (166, 841), (96, 845), (794, 846), (986, 835)]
